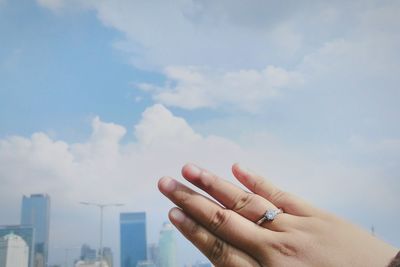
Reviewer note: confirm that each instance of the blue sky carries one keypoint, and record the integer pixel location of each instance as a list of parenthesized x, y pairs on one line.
[(118, 93), (59, 70)]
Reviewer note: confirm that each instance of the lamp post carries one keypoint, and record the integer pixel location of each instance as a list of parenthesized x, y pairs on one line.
[(101, 206)]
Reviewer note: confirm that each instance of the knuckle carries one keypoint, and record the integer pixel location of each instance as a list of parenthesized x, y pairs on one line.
[(277, 196), (258, 185), (184, 198), (285, 249), (207, 180), (217, 252), (194, 229), (219, 218), (242, 201)]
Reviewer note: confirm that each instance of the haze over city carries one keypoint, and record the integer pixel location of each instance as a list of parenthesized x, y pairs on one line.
[(99, 99)]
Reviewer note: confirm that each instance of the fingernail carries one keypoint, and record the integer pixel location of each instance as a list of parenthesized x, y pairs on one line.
[(194, 170), (177, 216), (167, 184), (244, 169)]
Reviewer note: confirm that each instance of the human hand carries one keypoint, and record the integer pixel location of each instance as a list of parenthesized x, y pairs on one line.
[(225, 230)]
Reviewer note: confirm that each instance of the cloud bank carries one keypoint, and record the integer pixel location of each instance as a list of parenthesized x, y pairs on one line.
[(105, 169)]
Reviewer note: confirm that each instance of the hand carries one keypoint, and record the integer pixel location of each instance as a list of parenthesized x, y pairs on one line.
[(226, 232)]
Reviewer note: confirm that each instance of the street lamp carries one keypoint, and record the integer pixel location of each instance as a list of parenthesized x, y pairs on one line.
[(101, 206)]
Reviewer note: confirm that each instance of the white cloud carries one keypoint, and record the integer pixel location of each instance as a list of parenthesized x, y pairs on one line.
[(200, 33), (214, 54), (104, 169), (191, 87), (107, 170), (172, 129)]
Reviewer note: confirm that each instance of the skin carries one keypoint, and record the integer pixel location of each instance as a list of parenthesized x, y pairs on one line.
[(224, 227)]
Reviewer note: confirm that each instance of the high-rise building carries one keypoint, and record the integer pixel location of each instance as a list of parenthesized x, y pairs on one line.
[(133, 238), (88, 253), (14, 251), (108, 256), (167, 246), (26, 232), (152, 253), (146, 264), (36, 212), (91, 264)]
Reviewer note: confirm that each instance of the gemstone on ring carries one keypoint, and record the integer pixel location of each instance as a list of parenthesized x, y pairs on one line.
[(269, 215)]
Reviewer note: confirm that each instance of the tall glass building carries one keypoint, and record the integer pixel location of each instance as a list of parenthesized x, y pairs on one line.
[(108, 256), (36, 212), (167, 246), (26, 232), (133, 238)]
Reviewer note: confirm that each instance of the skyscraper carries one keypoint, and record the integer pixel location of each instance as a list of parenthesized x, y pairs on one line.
[(26, 232), (36, 212), (133, 238), (167, 246), (152, 253), (14, 251)]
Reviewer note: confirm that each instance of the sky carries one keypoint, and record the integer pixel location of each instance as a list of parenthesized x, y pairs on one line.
[(99, 99)]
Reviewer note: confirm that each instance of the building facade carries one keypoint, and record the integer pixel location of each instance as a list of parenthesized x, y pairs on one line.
[(167, 246), (108, 256), (133, 241), (35, 211), (88, 253), (26, 232), (146, 264), (14, 251), (91, 264), (152, 253)]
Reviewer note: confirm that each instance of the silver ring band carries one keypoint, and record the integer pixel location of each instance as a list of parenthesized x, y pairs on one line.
[(269, 216)]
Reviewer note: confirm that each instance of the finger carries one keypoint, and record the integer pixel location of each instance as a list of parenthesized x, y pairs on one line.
[(288, 202), (249, 205), (219, 252), (224, 223)]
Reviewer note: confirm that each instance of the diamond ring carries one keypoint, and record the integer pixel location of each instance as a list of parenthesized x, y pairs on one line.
[(269, 216)]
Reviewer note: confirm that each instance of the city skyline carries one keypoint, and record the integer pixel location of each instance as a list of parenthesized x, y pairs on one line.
[(132, 227)]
